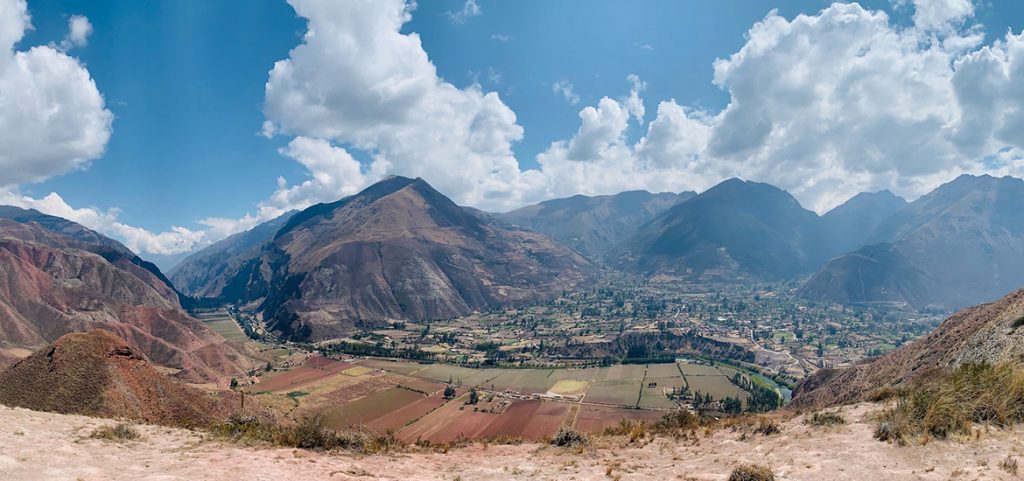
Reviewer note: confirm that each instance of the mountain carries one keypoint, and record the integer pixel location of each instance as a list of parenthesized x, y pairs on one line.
[(959, 245), (850, 224), (57, 277), (735, 228), (986, 333), (397, 250), (99, 374), (592, 225), (204, 273)]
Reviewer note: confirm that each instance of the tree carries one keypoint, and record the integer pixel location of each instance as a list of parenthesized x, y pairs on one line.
[(234, 383), (473, 396), (449, 392)]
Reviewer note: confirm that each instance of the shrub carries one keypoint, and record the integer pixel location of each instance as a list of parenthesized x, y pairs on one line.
[(767, 427), (752, 472), (825, 419), (568, 437), (680, 419), (118, 432), (309, 433), (884, 393)]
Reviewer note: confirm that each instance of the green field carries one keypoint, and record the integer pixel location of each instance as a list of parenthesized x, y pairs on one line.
[(373, 406), (222, 323)]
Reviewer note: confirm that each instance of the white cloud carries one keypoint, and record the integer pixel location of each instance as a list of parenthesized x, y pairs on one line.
[(334, 174), (79, 29), (564, 88), (643, 46), (52, 116), (469, 10), (357, 81), (941, 14), (502, 37)]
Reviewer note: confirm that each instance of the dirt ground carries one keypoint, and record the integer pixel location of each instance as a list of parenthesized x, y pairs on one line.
[(43, 446)]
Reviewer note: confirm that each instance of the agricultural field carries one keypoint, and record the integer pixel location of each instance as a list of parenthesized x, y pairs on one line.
[(407, 398), (221, 322)]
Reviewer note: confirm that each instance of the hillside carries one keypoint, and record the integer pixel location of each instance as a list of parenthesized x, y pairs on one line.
[(397, 250), (203, 274), (986, 333), (98, 374), (735, 228), (961, 244), (57, 277), (43, 446), (592, 225)]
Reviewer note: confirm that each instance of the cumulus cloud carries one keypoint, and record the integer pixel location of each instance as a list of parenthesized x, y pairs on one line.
[(469, 10), (357, 81), (52, 116), (79, 29), (564, 88)]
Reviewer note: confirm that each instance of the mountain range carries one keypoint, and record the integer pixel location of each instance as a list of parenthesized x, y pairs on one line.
[(402, 250)]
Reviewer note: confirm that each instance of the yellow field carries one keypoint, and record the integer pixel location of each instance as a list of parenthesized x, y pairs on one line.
[(357, 371), (569, 387)]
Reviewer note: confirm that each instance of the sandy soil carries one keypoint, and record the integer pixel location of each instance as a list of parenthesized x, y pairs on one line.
[(43, 446)]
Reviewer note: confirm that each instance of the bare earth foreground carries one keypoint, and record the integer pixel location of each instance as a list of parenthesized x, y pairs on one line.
[(44, 446)]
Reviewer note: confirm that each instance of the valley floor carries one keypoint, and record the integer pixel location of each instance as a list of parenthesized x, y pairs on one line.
[(44, 446)]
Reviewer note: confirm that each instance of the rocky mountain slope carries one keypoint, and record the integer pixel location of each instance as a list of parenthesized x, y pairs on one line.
[(959, 245), (397, 250), (987, 333), (592, 225), (57, 277), (736, 227), (98, 374), (203, 274)]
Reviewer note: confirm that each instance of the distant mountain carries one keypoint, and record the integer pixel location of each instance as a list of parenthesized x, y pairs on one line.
[(850, 224), (205, 273), (98, 374), (57, 277), (592, 225), (985, 333), (735, 228), (959, 245), (397, 250)]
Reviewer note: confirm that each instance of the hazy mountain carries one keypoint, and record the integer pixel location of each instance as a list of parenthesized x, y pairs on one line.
[(959, 245), (736, 227), (850, 224), (985, 333), (57, 277), (397, 250), (592, 225), (204, 273)]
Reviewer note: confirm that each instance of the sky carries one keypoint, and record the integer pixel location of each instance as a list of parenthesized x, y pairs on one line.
[(170, 125)]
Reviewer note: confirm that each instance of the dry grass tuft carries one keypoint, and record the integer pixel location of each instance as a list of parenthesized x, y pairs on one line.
[(118, 433), (752, 472), (952, 404), (821, 419)]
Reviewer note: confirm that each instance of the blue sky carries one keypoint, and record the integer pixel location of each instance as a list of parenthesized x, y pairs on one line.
[(185, 82)]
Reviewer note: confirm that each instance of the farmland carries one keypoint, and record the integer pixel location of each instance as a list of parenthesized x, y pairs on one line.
[(409, 398)]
